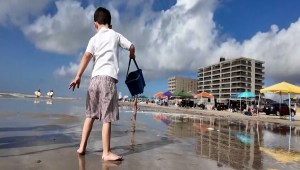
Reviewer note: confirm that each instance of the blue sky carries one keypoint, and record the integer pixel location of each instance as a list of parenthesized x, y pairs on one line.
[(41, 44)]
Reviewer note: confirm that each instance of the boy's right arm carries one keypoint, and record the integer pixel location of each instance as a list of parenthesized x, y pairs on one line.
[(124, 43), (83, 64)]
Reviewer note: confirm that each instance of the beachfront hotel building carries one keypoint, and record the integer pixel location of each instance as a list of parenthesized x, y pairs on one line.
[(176, 84), (230, 77)]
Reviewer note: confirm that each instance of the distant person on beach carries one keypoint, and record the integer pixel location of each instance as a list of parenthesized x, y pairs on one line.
[(37, 93), (248, 112), (254, 109), (102, 97), (50, 94)]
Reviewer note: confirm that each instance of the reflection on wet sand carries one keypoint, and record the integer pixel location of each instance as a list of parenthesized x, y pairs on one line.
[(238, 144), (135, 108), (38, 100), (233, 144), (281, 155), (81, 162), (132, 139), (106, 165)]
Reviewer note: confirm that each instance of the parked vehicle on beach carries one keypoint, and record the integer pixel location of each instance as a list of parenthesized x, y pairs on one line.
[(278, 109)]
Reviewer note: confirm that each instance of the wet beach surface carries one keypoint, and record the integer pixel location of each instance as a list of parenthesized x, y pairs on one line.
[(44, 134)]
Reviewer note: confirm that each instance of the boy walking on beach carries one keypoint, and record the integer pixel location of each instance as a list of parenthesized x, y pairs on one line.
[(102, 98)]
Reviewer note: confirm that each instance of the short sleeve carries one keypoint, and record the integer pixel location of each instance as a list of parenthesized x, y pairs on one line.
[(124, 42), (90, 48)]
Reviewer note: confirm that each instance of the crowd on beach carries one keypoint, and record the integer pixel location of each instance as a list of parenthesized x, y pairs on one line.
[(247, 108)]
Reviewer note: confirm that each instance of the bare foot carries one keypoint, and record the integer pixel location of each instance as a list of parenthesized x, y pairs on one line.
[(111, 157), (80, 151)]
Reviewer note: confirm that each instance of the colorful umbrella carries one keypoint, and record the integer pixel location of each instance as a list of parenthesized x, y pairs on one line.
[(167, 93), (203, 95), (159, 94), (182, 94), (246, 94)]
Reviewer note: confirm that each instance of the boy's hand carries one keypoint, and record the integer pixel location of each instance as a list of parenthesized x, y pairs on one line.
[(75, 82), (132, 52)]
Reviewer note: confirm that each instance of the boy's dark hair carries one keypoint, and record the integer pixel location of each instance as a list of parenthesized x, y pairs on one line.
[(102, 16)]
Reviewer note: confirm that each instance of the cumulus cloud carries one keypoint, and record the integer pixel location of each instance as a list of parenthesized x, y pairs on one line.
[(65, 32), (176, 40), (71, 69), (66, 71), (180, 39), (278, 48), (18, 12)]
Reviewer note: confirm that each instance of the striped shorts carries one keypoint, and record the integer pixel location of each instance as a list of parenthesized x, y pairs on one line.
[(102, 99)]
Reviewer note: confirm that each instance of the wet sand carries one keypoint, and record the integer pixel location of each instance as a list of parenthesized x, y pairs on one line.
[(220, 114), (49, 141)]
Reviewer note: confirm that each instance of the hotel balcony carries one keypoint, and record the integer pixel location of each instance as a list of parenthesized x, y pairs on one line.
[(207, 74), (227, 70), (215, 67), (207, 69), (216, 72), (216, 77)]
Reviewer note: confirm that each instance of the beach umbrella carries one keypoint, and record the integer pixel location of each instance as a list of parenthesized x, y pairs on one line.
[(159, 94), (167, 93), (283, 88), (203, 95), (246, 94), (143, 97), (182, 94)]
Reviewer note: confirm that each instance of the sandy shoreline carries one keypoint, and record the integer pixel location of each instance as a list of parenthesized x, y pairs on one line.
[(221, 114)]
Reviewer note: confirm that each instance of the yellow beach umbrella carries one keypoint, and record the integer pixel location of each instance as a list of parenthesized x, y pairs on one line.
[(282, 88)]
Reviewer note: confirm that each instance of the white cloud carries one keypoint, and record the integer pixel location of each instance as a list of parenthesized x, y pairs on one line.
[(66, 32), (279, 49), (70, 70), (176, 40), (180, 39), (17, 12), (67, 71)]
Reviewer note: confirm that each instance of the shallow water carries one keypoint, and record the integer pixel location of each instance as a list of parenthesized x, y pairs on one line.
[(188, 141)]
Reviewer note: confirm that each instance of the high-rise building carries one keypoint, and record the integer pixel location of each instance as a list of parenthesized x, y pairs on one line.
[(229, 77), (176, 84)]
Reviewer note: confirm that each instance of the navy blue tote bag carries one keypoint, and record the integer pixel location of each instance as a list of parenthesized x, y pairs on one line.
[(135, 80)]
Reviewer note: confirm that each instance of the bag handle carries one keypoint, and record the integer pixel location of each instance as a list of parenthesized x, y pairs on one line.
[(129, 65)]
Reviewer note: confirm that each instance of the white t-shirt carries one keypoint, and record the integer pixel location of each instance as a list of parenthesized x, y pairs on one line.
[(104, 46)]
